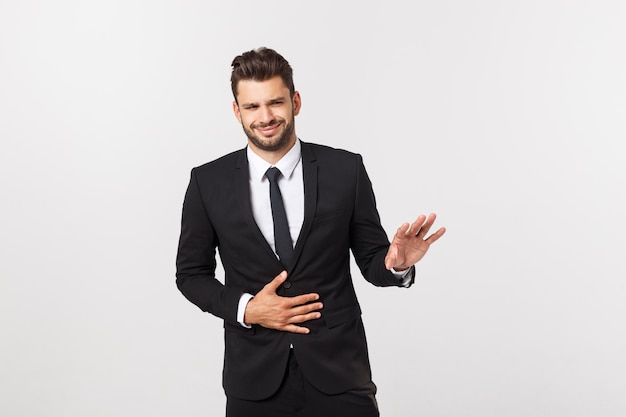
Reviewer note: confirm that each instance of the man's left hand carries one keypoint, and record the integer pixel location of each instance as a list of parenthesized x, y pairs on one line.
[(410, 243)]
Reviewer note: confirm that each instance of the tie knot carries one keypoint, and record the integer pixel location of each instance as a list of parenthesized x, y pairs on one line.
[(272, 174)]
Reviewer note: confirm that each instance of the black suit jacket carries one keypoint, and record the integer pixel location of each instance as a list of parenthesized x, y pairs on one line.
[(339, 215)]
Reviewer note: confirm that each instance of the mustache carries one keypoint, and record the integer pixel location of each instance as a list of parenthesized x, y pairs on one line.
[(264, 125)]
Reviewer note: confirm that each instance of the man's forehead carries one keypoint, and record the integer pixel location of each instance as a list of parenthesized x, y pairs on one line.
[(254, 90)]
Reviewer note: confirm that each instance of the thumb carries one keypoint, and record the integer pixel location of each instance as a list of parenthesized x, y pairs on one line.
[(391, 257), (277, 281)]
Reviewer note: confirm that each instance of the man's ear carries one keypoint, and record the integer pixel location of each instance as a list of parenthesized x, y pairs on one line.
[(236, 111), (297, 103)]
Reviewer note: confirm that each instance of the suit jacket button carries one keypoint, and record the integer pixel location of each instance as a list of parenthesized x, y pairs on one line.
[(287, 285)]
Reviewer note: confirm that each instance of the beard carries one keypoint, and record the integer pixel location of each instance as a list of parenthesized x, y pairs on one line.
[(274, 143)]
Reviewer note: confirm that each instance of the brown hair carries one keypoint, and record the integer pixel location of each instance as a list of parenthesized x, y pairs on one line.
[(259, 65)]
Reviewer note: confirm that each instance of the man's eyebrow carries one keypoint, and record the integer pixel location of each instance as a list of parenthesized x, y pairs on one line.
[(270, 101)]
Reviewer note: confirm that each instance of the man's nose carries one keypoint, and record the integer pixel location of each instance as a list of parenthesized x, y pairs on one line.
[(265, 114)]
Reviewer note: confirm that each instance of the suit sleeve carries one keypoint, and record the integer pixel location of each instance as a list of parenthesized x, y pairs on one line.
[(368, 239), (195, 261)]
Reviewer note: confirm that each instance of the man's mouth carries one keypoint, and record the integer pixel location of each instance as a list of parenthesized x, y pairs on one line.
[(268, 130)]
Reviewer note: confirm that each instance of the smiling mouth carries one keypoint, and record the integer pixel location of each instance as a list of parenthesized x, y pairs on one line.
[(268, 130)]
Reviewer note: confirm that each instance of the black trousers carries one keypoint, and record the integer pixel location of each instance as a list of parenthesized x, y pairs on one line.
[(296, 397)]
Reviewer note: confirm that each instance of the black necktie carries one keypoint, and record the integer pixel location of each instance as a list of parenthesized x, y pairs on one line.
[(282, 238)]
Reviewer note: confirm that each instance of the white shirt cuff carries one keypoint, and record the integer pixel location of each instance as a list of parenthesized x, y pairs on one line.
[(405, 276), (241, 308)]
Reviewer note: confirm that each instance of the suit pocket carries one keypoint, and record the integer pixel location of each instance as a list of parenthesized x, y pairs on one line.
[(320, 217), (335, 318)]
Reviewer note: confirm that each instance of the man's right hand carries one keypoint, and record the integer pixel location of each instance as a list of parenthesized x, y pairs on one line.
[(272, 311)]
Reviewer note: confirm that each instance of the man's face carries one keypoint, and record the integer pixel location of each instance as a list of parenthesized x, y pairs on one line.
[(267, 113)]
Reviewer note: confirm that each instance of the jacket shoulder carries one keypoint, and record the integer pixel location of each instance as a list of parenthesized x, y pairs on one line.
[(324, 152), (226, 162)]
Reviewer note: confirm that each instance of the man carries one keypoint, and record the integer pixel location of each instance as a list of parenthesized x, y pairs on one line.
[(294, 339)]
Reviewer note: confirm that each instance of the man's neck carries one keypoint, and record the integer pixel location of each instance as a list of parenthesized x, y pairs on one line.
[(273, 157)]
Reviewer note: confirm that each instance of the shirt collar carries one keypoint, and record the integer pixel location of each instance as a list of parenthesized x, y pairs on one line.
[(286, 165)]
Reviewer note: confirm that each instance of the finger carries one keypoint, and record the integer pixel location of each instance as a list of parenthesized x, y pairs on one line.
[(390, 259), (301, 299), (403, 230), (308, 309), (427, 225), (276, 282), (305, 317), (296, 329), (416, 225), (433, 238)]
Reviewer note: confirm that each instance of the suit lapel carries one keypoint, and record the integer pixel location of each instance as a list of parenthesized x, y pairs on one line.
[(309, 172), (242, 190)]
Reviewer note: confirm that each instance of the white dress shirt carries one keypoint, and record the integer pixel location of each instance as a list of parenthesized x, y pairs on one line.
[(291, 184)]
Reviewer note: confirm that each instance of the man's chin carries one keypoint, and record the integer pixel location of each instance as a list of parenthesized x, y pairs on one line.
[(268, 145)]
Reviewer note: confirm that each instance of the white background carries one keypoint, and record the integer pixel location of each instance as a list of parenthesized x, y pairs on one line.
[(505, 118)]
